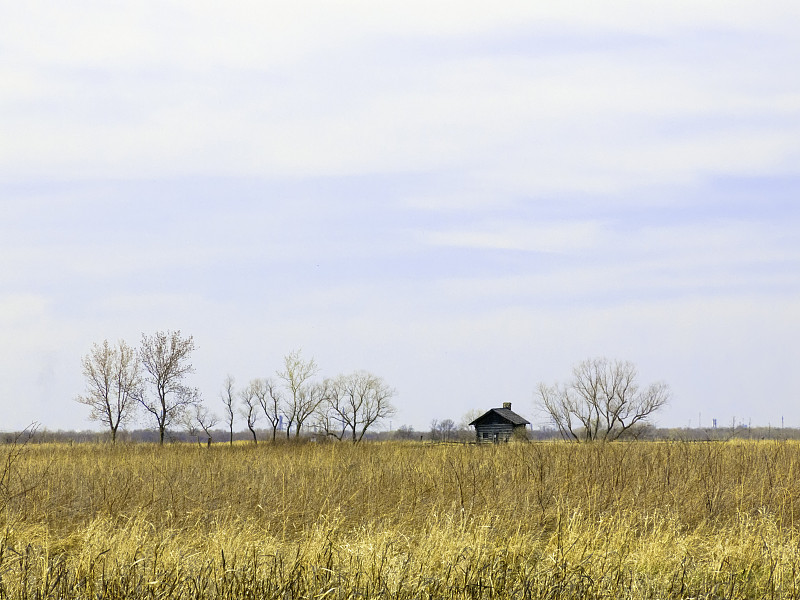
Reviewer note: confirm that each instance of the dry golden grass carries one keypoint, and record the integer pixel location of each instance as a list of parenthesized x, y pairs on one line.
[(402, 520)]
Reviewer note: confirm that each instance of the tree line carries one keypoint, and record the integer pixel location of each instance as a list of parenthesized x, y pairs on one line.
[(602, 401), (124, 384)]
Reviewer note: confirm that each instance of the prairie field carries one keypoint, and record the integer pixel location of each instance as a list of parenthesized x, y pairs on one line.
[(401, 520)]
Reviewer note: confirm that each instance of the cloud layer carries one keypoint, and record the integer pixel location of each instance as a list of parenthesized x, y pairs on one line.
[(464, 199)]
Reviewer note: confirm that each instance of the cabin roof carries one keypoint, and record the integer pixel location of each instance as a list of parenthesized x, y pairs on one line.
[(506, 414)]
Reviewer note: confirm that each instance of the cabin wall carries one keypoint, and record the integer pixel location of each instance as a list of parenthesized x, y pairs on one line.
[(494, 432)]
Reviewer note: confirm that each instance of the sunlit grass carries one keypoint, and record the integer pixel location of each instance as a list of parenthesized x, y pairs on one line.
[(403, 520)]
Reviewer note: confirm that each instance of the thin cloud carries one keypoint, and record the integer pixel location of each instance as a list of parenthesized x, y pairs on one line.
[(560, 238)]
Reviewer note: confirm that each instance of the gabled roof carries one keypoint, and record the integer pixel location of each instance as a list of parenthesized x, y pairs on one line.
[(504, 413)]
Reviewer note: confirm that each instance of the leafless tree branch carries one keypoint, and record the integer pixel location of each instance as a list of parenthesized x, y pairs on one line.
[(603, 401)]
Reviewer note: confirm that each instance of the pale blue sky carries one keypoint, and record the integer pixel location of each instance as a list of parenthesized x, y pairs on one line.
[(464, 199)]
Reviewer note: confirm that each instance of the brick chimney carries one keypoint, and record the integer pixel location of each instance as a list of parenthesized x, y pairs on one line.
[(507, 405)]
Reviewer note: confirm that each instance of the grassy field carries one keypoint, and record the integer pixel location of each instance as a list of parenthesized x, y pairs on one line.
[(401, 520)]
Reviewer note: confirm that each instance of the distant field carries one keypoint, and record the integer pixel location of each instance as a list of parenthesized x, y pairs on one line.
[(401, 520)]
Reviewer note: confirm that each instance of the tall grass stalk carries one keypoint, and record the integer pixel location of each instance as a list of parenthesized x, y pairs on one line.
[(402, 520)]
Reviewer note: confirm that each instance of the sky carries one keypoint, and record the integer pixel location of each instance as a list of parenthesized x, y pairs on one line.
[(464, 198)]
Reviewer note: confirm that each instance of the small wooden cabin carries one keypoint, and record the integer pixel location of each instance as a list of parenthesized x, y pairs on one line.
[(498, 425)]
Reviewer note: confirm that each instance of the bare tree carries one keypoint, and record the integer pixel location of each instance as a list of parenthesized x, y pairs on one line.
[(448, 429), (165, 358), (228, 396), (249, 409), (443, 430), (354, 403), (603, 401), (312, 396), (269, 397), (190, 425), (468, 417), (113, 382), (328, 418), (405, 432), (196, 419), (205, 420), (302, 399)]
